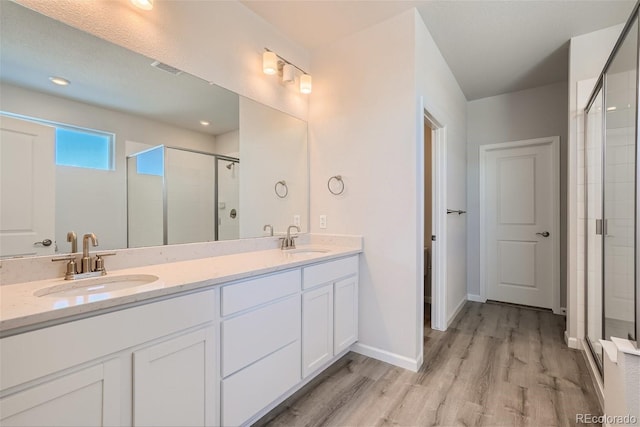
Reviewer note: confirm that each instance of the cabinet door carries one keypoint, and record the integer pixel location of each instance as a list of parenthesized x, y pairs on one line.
[(345, 313), (173, 381), (317, 328), (89, 397)]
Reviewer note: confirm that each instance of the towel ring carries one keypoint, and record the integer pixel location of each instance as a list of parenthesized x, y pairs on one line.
[(282, 193), (338, 178)]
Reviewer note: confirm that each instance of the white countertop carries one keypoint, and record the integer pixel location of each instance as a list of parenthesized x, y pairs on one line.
[(19, 308)]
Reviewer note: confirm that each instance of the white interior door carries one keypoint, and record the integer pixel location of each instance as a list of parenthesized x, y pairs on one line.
[(521, 216), (27, 188)]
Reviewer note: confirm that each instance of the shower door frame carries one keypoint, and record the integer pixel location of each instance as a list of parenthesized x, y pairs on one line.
[(601, 85)]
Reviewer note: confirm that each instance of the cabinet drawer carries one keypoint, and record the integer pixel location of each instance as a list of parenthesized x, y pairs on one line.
[(329, 271), (250, 390), (253, 335), (244, 295)]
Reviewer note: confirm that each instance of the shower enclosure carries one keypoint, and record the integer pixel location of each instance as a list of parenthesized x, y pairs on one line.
[(611, 213), (181, 196)]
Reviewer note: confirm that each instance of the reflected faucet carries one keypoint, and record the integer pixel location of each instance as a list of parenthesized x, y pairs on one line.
[(289, 242), (86, 259), (73, 239), (270, 227)]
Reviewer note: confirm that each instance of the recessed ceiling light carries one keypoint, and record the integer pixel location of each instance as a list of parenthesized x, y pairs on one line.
[(59, 81), (143, 4), (204, 123)]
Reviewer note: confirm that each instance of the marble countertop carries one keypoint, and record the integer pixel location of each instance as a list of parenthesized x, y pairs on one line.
[(21, 310)]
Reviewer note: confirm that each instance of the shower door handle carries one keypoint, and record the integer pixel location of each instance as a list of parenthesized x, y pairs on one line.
[(544, 234)]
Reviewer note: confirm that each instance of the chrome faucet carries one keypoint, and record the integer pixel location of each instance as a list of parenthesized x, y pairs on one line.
[(73, 239), (86, 262), (270, 227), (289, 242)]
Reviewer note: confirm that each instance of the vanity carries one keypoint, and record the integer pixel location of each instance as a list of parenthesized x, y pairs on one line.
[(214, 341)]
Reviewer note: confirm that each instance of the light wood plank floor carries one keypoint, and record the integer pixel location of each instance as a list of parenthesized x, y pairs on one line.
[(497, 365)]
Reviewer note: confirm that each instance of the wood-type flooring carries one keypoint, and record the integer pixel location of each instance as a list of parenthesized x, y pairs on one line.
[(496, 365)]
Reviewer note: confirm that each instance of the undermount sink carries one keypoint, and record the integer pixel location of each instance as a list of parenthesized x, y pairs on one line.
[(307, 251), (97, 285)]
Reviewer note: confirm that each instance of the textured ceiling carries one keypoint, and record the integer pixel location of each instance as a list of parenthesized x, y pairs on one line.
[(34, 47), (492, 47)]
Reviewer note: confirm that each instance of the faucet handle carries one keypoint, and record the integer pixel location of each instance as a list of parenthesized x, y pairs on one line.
[(71, 265), (100, 261)]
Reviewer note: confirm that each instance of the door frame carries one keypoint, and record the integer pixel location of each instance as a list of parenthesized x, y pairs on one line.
[(554, 141), (439, 224)]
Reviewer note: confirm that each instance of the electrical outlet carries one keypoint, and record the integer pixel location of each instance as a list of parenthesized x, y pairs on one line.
[(296, 220), (323, 221)]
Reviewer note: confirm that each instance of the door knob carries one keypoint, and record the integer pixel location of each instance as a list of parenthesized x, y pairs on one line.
[(544, 234), (45, 242)]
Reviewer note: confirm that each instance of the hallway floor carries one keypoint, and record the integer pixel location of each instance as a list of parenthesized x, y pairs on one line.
[(497, 365)]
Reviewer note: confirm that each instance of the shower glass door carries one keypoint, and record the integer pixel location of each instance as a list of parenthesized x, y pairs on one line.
[(619, 190)]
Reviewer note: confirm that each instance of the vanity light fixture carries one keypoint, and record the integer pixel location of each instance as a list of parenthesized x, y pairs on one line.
[(204, 123), (59, 81), (143, 4), (272, 63)]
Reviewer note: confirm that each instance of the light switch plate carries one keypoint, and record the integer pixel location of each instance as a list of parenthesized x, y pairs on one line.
[(296, 220), (323, 221)]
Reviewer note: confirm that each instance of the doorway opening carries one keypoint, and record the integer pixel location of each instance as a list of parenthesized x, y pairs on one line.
[(432, 218), (428, 221)]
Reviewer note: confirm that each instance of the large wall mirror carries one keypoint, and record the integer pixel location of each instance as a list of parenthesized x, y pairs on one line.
[(133, 150)]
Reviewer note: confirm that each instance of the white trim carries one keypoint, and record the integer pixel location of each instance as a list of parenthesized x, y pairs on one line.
[(571, 342), (456, 311), (555, 229), (475, 297), (387, 356)]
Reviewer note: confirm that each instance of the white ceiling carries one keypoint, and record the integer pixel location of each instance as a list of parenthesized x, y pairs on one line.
[(492, 47), (34, 47)]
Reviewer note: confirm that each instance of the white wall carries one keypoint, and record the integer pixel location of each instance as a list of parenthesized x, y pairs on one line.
[(587, 56), (365, 125), (444, 100), (526, 114), (228, 143), (92, 200), (218, 41)]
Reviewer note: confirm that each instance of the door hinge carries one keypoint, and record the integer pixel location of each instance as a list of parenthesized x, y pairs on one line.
[(599, 226), (433, 238)]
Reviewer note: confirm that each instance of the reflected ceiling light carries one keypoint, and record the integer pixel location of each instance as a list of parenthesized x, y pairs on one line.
[(204, 123), (612, 108), (59, 81), (272, 63), (143, 4)]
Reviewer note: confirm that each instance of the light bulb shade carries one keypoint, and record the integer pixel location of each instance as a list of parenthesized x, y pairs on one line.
[(305, 83), (269, 63), (288, 73), (143, 4)]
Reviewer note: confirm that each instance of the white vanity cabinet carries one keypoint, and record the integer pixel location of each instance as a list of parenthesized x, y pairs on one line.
[(260, 343), (329, 311), (149, 365)]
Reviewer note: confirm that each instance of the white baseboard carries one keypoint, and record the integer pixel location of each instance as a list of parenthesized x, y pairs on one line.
[(387, 356), (456, 311), (572, 342), (474, 297)]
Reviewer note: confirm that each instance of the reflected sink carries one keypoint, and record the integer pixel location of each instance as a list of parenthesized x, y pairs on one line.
[(97, 285), (307, 251)]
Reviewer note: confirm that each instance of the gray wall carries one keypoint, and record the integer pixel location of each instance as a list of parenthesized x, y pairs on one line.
[(527, 114)]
